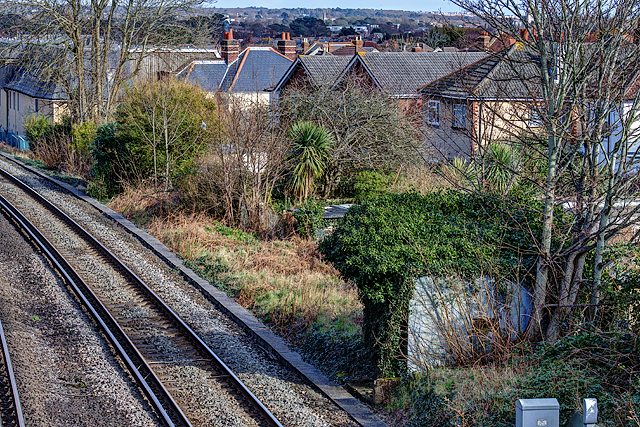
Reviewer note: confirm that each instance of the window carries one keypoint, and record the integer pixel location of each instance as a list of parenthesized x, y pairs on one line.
[(18, 97), (9, 99), (36, 105), (536, 117), (433, 113), (459, 116)]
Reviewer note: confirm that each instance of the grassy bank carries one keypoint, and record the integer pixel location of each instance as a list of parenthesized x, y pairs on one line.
[(284, 282)]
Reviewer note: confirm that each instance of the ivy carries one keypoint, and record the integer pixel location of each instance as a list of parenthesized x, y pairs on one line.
[(309, 218), (385, 243)]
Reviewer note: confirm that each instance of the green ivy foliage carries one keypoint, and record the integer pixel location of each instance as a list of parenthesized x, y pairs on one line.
[(385, 243), (110, 162), (309, 218), (370, 183)]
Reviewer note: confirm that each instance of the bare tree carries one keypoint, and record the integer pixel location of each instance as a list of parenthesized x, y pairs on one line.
[(368, 127), (246, 160), (88, 49), (576, 63)]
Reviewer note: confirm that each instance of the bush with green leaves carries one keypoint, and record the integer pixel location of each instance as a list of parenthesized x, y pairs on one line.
[(111, 162), (371, 183), (83, 136), (309, 218), (166, 126), (383, 244), (36, 127)]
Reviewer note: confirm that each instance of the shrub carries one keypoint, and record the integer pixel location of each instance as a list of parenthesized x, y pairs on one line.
[(111, 162), (166, 125), (369, 184), (385, 243), (36, 127), (309, 218), (83, 136), (52, 143)]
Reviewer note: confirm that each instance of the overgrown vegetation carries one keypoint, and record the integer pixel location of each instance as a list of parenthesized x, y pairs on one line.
[(588, 363), (385, 243)]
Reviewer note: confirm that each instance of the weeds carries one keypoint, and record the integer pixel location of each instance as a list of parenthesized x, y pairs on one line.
[(285, 282)]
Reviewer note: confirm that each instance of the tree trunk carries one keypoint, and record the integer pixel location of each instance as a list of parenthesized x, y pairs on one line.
[(569, 288)]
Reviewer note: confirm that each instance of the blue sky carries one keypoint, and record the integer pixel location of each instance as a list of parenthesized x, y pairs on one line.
[(414, 5)]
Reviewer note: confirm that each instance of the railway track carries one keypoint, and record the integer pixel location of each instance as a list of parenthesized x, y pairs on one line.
[(150, 338), (10, 410)]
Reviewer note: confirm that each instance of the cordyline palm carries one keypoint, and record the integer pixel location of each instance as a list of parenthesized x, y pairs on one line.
[(310, 146)]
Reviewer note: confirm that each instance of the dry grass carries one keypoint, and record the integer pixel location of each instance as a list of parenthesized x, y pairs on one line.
[(15, 151), (421, 178), (285, 282), (144, 202)]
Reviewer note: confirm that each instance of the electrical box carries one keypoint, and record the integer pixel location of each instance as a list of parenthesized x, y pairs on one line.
[(537, 413)]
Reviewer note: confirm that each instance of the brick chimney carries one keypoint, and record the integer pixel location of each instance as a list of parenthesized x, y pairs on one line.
[(229, 48), (287, 47), (358, 42), (305, 45), (485, 40), (417, 48)]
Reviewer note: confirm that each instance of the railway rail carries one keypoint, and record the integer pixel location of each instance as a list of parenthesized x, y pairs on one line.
[(10, 409), (148, 361)]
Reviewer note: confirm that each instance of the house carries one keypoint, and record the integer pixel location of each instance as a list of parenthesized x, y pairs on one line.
[(159, 61), (317, 70), (23, 94), (495, 98), (400, 74), (338, 47), (499, 98), (247, 74)]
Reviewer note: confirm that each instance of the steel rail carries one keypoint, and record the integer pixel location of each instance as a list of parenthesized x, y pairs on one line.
[(14, 417), (100, 314), (265, 414)]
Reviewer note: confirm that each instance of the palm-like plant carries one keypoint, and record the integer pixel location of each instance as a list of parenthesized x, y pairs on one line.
[(310, 147)]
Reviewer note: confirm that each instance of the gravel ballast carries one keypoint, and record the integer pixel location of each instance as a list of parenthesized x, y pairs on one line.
[(280, 388), (66, 372)]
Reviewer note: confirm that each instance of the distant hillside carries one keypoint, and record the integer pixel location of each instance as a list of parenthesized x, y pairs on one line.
[(342, 16)]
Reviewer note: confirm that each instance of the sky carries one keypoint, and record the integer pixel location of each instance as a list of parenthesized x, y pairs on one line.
[(413, 5)]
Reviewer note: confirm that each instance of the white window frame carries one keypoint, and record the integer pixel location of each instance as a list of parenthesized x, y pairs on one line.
[(459, 117), (535, 118), (433, 107)]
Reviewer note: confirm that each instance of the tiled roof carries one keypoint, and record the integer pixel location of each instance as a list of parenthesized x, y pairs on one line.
[(6, 72), (255, 69), (324, 69), (514, 76), (351, 50), (24, 82), (258, 68), (402, 73), (209, 74)]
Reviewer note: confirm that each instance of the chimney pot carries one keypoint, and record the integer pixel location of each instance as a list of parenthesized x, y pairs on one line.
[(229, 48), (287, 47)]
